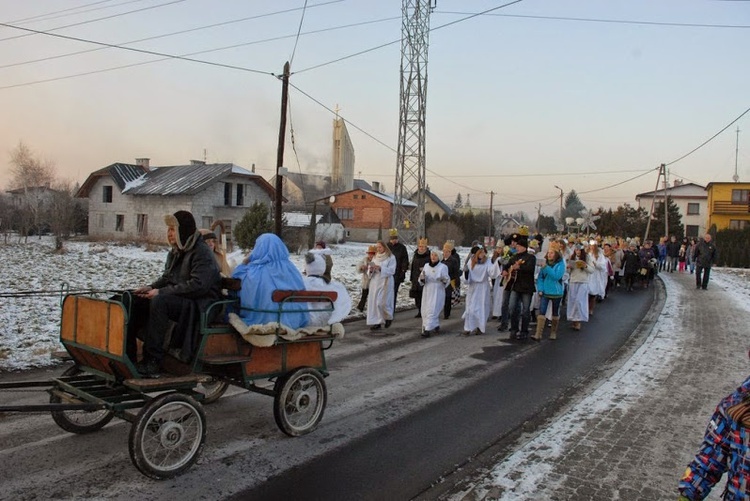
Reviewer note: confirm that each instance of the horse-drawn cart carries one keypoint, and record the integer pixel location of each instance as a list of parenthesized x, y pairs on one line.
[(169, 424)]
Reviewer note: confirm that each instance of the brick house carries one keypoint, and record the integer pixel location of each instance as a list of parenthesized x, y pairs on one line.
[(364, 213), (130, 200)]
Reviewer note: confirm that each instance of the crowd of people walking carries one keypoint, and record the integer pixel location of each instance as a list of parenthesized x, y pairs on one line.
[(524, 282)]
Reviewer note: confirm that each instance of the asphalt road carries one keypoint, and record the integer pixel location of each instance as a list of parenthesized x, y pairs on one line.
[(403, 412), (404, 459)]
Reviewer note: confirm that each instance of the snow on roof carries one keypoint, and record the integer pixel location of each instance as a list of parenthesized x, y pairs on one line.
[(135, 182), (300, 219)]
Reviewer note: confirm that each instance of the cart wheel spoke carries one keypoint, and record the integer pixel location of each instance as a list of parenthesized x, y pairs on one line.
[(79, 421), (168, 435), (300, 401)]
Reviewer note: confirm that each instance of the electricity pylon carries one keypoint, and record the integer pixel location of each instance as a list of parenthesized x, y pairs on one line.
[(410, 161)]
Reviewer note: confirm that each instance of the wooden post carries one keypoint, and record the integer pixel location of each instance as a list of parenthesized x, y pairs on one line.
[(280, 151)]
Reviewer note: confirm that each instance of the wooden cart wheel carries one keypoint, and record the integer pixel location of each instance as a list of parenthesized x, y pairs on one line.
[(299, 401), (212, 390), (167, 436), (79, 421)]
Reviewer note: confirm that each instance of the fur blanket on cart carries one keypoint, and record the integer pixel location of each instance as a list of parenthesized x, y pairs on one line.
[(265, 335)]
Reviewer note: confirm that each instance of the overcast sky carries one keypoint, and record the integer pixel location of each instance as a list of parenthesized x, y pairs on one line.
[(582, 94)]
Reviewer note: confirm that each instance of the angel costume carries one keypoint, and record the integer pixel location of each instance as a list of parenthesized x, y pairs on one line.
[(315, 267), (477, 297), (434, 277), (380, 299)]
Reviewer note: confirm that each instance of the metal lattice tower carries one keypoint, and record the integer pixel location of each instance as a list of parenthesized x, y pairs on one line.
[(410, 161)]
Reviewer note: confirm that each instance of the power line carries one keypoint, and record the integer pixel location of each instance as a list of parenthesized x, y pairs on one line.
[(67, 12), (87, 22), (607, 21), (169, 56), (302, 19), (542, 174), (709, 139), (181, 32), (371, 49), (618, 184)]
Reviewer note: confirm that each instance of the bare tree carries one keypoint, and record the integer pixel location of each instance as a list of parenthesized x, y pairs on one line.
[(6, 216), (60, 212), (31, 178)]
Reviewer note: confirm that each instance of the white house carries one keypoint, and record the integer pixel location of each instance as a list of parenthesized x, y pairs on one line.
[(690, 198)]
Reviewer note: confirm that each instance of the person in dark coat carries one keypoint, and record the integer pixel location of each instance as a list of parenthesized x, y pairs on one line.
[(169, 309), (631, 265), (673, 253), (705, 256), (520, 274), (402, 263), (419, 260), (453, 262)]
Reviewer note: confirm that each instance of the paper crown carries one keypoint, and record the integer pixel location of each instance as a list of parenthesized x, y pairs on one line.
[(449, 244), (422, 241), (393, 232), (523, 230), (534, 243)]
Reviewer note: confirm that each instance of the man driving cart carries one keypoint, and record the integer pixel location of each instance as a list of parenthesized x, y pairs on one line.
[(166, 313)]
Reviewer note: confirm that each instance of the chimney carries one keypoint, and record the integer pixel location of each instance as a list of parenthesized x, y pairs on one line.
[(376, 186), (678, 182), (143, 162)]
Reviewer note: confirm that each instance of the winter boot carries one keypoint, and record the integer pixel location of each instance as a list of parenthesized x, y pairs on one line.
[(540, 321), (555, 323)]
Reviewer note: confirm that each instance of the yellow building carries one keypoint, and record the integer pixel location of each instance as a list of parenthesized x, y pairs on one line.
[(728, 205)]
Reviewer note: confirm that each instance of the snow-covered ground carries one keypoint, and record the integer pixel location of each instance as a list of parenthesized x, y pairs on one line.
[(528, 472), (30, 323)]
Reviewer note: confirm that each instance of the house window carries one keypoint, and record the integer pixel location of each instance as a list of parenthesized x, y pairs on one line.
[(691, 230), (142, 224), (120, 223), (364, 196), (739, 224), (693, 209), (207, 221), (100, 220), (356, 197), (740, 196), (240, 195), (228, 194), (107, 195), (345, 213)]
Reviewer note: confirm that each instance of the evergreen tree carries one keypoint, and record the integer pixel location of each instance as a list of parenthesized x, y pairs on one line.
[(676, 227), (573, 205), (253, 224), (459, 203), (468, 201)]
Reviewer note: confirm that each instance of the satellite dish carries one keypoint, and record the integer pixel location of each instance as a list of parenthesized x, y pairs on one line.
[(332, 199)]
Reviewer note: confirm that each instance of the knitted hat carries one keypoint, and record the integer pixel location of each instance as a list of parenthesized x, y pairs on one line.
[(208, 234), (523, 241)]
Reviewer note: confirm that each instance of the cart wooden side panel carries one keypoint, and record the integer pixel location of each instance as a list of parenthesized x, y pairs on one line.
[(93, 331)]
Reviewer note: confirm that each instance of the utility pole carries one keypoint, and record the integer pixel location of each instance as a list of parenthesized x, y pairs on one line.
[(662, 168), (492, 213), (280, 151), (562, 219), (538, 217), (666, 202), (736, 177)]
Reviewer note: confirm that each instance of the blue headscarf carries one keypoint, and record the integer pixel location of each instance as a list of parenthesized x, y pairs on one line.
[(267, 270)]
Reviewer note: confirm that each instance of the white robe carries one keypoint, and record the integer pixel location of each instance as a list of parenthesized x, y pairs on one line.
[(497, 288), (380, 300), (578, 302), (598, 279), (478, 297), (342, 307), (435, 279)]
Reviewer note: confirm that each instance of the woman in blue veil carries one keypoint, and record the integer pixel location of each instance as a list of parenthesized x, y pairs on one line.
[(267, 269)]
